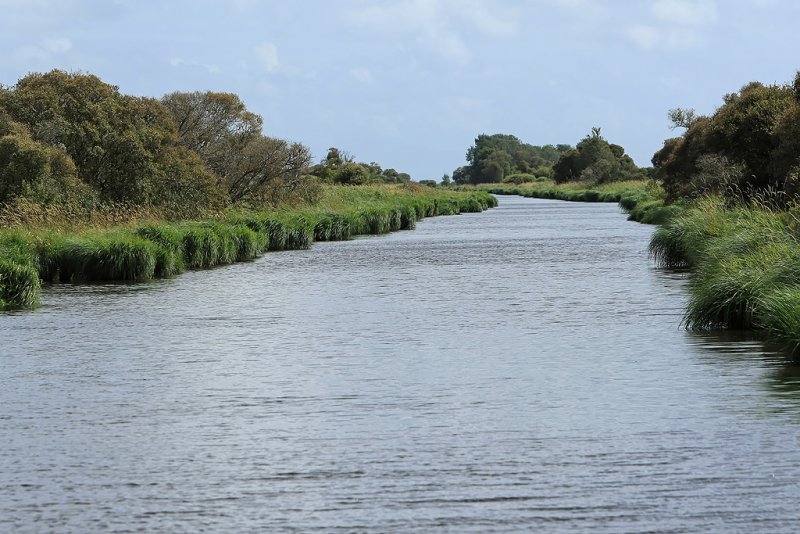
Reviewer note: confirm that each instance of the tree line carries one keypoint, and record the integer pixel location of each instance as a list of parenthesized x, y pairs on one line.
[(72, 138), (749, 147), (504, 158)]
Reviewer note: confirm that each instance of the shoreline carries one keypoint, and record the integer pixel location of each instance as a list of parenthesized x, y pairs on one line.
[(29, 257)]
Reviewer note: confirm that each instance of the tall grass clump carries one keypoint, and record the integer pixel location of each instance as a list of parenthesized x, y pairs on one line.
[(201, 246), (103, 257), (730, 285), (249, 244), (780, 315), (169, 248), (19, 285), (682, 240)]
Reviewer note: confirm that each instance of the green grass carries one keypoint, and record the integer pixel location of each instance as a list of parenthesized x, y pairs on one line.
[(745, 264), (19, 285), (643, 200), (163, 249)]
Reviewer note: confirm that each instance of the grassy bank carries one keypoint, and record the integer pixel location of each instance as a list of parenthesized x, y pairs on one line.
[(643, 200), (156, 249), (745, 262)]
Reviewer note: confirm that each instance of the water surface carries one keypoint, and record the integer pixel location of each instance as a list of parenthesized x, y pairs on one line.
[(514, 370)]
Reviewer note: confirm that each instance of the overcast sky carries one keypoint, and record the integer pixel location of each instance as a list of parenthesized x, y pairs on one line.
[(410, 83)]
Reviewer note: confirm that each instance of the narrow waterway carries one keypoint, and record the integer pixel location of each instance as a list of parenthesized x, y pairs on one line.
[(514, 370)]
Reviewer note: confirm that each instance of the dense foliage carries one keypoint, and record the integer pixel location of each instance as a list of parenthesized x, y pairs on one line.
[(71, 140), (340, 167), (597, 161), (70, 136), (749, 145), (248, 164), (504, 158), (493, 158)]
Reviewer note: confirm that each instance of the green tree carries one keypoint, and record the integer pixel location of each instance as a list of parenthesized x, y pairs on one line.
[(350, 173), (121, 145), (248, 165)]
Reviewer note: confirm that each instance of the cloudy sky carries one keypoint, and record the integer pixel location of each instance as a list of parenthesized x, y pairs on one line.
[(410, 83)]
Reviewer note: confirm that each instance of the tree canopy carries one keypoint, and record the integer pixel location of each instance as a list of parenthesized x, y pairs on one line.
[(124, 147), (749, 144), (72, 136), (596, 160), (340, 167), (494, 157)]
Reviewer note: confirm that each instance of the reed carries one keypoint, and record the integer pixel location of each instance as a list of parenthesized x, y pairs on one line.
[(169, 248), (161, 249), (780, 315), (19, 285), (121, 256)]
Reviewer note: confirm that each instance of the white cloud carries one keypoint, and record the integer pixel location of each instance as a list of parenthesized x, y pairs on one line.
[(212, 68), (686, 12), (437, 25), (362, 75), (267, 55), (676, 26), (649, 37)]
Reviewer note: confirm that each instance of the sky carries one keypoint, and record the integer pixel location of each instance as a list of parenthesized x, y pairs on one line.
[(410, 83)]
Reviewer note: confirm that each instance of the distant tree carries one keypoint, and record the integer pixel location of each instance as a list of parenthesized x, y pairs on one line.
[(446, 181), (462, 175), (350, 173), (596, 160), (567, 167), (429, 183), (492, 157), (681, 117)]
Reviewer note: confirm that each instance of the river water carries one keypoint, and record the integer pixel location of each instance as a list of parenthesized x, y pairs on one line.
[(520, 369)]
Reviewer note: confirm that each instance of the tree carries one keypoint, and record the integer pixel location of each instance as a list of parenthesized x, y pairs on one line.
[(350, 173), (215, 125), (462, 175), (750, 142), (492, 157), (267, 169), (681, 117), (248, 164), (446, 180), (120, 145), (596, 160)]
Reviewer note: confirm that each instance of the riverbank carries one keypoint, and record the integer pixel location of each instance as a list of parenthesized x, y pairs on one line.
[(157, 249), (643, 200), (745, 265)]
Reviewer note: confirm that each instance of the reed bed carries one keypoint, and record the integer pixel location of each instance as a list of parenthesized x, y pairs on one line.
[(745, 262), (157, 249)]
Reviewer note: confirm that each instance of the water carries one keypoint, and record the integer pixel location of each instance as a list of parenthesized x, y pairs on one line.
[(521, 369)]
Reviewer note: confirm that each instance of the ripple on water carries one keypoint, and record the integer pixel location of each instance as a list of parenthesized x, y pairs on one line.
[(520, 369)]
